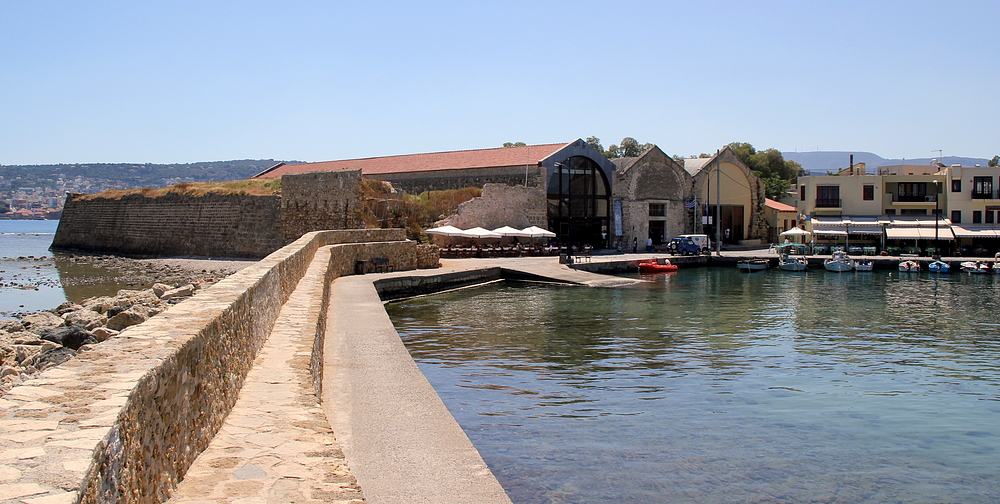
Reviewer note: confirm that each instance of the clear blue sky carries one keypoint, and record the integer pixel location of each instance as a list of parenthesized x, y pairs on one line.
[(180, 81)]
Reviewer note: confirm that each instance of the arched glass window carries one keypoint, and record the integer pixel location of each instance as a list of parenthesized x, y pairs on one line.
[(578, 202)]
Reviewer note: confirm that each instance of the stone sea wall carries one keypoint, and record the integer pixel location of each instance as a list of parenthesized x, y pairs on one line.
[(122, 421), (211, 225), (174, 224)]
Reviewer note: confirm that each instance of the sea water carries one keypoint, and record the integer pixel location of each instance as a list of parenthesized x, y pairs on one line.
[(29, 280), (714, 386)]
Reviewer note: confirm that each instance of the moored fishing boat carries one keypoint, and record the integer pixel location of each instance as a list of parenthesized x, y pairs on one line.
[(655, 266), (788, 263), (753, 264), (975, 267), (864, 265), (909, 266), (839, 261), (938, 266)]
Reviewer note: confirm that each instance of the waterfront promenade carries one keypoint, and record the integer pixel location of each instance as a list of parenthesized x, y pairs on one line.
[(385, 436), (380, 434)]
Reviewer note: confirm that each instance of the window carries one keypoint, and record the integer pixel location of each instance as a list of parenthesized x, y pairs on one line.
[(912, 191), (868, 193), (956, 185), (913, 211), (657, 209), (828, 196), (890, 211), (989, 216), (982, 187), (802, 193), (956, 216), (977, 217)]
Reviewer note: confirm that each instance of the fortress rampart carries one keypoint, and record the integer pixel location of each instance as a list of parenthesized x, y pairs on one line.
[(174, 224), (211, 225)]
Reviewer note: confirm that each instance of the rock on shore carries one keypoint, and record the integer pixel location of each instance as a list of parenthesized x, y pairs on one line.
[(41, 340)]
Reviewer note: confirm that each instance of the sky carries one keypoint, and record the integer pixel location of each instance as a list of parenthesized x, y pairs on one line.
[(180, 81)]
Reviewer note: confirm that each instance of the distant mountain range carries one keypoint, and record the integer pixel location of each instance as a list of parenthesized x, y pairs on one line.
[(819, 162)]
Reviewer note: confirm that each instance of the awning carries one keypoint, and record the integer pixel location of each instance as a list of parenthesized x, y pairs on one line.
[(973, 231), (917, 233), (865, 230), (829, 232)]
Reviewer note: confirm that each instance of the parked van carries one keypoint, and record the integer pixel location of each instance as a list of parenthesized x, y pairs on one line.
[(701, 240)]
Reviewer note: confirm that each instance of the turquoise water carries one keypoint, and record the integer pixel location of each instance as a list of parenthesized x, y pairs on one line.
[(714, 386)]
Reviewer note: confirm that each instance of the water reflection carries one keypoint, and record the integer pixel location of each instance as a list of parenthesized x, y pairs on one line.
[(711, 386)]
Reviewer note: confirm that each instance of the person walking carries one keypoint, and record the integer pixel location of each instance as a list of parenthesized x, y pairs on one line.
[(635, 244), (649, 244)]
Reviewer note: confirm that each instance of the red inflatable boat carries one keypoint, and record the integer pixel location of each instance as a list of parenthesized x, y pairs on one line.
[(652, 266)]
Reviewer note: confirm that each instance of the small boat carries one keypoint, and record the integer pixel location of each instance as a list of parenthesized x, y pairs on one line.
[(839, 261), (975, 267), (864, 265), (788, 263), (938, 266), (654, 266), (909, 265), (754, 264)]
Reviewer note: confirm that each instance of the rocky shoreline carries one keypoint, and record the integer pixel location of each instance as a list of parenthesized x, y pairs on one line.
[(33, 342)]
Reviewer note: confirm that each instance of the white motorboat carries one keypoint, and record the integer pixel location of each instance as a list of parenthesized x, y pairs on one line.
[(839, 261), (864, 265), (909, 266), (754, 264), (975, 267), (789, 263)]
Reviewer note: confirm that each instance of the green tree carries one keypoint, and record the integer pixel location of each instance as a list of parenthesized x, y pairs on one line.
[(995, 161), (770, 166), (514, 144), (596, 144), (629, 147)]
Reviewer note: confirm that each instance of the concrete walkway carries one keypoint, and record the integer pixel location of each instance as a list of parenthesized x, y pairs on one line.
[(276, 445), (403, 445)]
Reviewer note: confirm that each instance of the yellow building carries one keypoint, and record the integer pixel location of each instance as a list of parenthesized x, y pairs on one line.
[(725, 187)]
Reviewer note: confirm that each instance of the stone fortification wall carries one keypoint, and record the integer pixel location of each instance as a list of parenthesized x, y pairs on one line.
[(122, 421), (502, 205), (418, 182), (318, 201), (212, 225)]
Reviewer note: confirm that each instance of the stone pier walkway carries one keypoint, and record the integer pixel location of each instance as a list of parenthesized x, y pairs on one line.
[(277, 445)]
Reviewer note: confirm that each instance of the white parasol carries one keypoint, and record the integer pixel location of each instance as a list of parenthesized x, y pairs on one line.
[(537, 232), (480, 233), (445, 231), (509, 231)]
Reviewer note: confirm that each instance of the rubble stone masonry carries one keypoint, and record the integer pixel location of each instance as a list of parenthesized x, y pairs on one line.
[(123, 421)]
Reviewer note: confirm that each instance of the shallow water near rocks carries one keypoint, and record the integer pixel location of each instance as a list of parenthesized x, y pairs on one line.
[(711, 385)]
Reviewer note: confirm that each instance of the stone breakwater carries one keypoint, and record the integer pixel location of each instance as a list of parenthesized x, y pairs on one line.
[(124, 421)]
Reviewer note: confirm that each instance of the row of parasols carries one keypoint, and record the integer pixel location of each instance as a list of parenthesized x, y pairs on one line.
[(480, 233)]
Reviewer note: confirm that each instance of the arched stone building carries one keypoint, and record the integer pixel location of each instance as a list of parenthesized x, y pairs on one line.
[(722, 182), (587, 197), (650, 192)]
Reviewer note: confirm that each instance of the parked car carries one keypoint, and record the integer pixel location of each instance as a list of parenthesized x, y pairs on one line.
[(683, 246), (701, 240)]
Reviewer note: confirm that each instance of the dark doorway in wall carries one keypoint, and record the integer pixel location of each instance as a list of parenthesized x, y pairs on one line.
[(658, 231), (731, 218)]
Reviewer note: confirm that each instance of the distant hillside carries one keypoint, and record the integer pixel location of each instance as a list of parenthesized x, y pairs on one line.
[(132, 175), (819, 162)]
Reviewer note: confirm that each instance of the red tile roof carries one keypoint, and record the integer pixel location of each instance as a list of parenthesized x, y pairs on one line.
[(777, 205), (454, 160)]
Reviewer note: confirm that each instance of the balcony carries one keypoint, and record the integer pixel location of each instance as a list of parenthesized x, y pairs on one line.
[(828, 203), (984, 194)]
